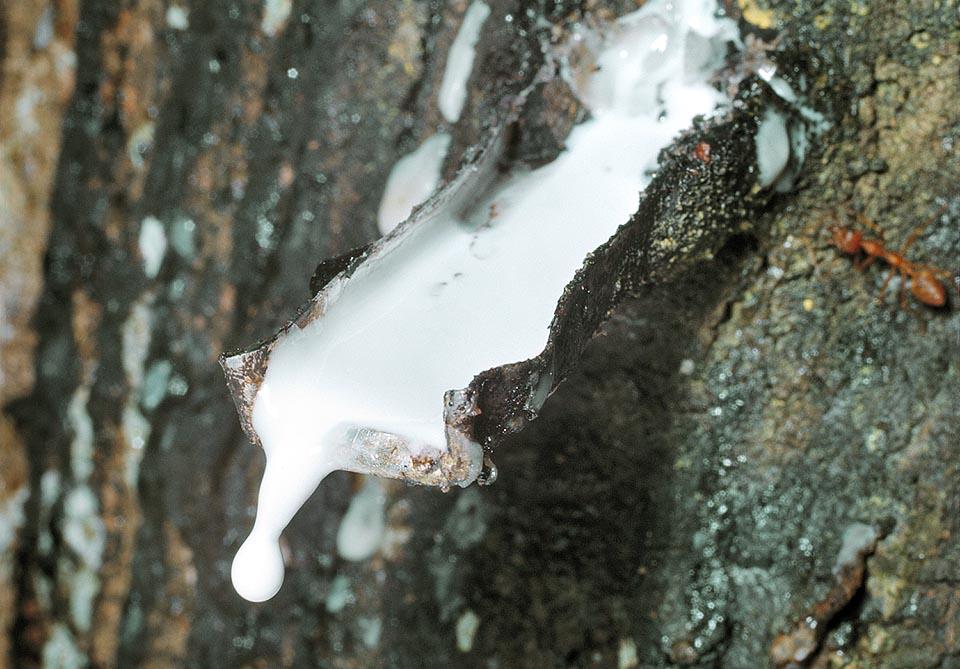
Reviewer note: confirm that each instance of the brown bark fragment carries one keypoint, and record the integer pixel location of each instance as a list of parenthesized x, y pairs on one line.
[(36, 81), (122, 518), (36, 84), (168, 623)]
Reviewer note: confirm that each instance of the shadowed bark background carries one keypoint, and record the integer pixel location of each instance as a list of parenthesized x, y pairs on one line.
[(681, 500)]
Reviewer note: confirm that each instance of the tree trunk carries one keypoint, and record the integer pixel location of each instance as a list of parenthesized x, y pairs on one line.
[(682, 500)]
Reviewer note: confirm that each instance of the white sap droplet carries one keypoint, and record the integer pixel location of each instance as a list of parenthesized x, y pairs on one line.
[(288, 482), (257, 571)]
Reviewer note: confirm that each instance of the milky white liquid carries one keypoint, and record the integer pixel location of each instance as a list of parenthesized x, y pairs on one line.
[(453, 87), (475, 293), (412, 180)]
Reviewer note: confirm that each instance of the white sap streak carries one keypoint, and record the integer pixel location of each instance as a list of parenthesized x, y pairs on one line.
[(288, 482), (453, 87), (362, 528), (412, 180), (773, 147), (462, 296), (778, 142), (856, 537), (466, 629), (178, 17), (153, 245), (275, 15)]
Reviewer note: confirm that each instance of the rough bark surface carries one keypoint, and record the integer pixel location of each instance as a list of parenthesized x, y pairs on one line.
[(682, 499)]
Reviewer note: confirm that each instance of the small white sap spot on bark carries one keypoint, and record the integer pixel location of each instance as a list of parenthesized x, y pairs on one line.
[(136, 430), (83, 529), (275, 15), (467, 626), (370, 630), (800, 134), (49, 489), (140, 142), (178, 17), (44, 32), (183, 238), (25, 109), (136, 340), (453, 87), (137, 333), (153, 245), (773, 147), (362, 527), (155, 384), (84, 587), (61, 651), (81, 447), (412, 180), (856, 537), (50, 482), (340, 594), (627, 654)]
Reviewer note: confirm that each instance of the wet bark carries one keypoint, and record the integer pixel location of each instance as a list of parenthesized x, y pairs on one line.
[(682, 498)]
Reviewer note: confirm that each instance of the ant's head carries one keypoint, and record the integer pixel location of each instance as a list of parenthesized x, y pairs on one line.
[(848, 240)]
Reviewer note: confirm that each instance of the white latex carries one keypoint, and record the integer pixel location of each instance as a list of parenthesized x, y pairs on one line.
[(453, 86), (476, 293), (412, 180)]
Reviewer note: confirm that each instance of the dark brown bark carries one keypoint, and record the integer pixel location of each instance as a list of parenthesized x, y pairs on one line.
[(683, 494)]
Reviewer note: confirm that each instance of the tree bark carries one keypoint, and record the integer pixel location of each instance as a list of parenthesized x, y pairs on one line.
[(681, 501)]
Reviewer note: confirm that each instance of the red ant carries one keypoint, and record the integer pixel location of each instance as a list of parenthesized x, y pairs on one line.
[(924, 283)]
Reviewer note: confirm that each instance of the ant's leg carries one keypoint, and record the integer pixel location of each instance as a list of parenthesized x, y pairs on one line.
[(870, 224), (823, 220), (903, 291), (886, 282), (920, 228), (820, 223), (930, 268), (867, 222), (814, 262), (863, 264), (812, 231)]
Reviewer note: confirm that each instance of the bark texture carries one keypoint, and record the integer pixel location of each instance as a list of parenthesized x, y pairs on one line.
[(682, 499)]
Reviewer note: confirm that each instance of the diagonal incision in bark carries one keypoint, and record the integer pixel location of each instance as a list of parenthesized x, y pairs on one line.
[(686, 210)]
